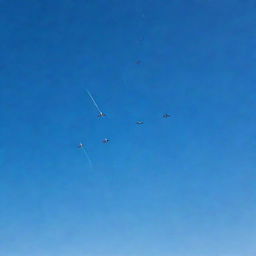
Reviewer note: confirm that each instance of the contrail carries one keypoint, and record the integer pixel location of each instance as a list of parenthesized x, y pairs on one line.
[(88, 158), (94, 102)]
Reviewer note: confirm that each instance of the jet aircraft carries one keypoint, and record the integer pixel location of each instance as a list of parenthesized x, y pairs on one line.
[(166, 115), (101, 114), (81, 145)]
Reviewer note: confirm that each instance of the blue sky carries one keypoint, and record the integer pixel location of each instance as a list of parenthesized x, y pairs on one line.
[(178, 187)]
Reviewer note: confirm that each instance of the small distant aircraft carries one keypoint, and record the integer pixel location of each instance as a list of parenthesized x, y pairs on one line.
[(138, 62), (166, 115), (139, 122), (105, 141), (101, 114), (81, 145)]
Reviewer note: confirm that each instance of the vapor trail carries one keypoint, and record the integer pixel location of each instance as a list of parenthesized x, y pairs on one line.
[(94, 102), (87, 156)]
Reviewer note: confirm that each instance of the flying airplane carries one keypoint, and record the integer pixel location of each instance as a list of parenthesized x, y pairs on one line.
[(81, 145), (139, 122), (166, 115), (105, 141), (138, 62), (101, 114)]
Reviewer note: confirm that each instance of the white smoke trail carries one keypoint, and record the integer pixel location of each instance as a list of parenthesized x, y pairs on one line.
[(88, 158), (94, 102)]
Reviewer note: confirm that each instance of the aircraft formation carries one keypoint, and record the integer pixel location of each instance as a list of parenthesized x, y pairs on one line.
[(102, 115)]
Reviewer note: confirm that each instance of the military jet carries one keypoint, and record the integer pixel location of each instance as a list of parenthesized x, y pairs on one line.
[(81, 145), (101, 114), (166, 115), (105, 141), (139, 122)]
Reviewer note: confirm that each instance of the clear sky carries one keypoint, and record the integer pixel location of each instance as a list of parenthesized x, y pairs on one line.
[(183, 186)]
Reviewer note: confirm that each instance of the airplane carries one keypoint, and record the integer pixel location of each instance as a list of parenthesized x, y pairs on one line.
[(139, 122), (105, 141), (166, 115), (81, 145), (101, 114), (138, 62)]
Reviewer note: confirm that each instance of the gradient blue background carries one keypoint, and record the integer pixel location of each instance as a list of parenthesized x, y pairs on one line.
[(184, 186)]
